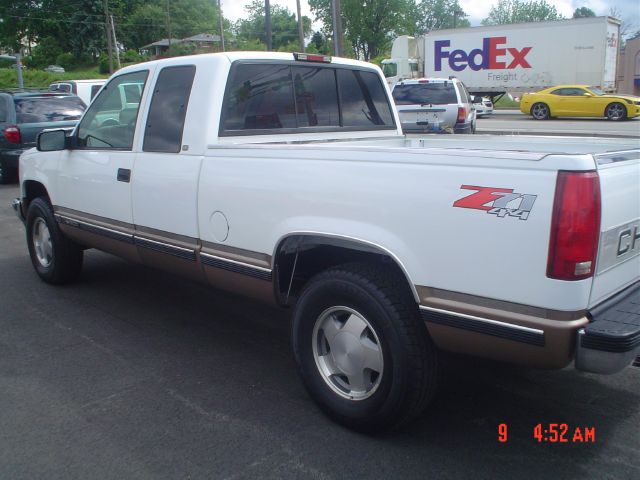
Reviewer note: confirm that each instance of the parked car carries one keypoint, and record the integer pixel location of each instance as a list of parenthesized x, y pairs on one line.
[(85, 89), (482, 105), (434, 105), (579, 101), (286, 178), (23, 115), (54, 69)]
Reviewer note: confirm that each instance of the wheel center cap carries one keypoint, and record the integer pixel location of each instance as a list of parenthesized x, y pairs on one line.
[(347, 352)]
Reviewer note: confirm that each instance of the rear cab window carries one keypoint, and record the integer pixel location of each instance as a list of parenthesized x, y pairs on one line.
[(49, 108), (432, 93), (295, 97)]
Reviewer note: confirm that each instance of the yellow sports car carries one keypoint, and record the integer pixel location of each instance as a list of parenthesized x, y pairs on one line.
[(578, 101)]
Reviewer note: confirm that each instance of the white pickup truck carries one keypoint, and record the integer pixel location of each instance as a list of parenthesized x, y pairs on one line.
[(286, 178)]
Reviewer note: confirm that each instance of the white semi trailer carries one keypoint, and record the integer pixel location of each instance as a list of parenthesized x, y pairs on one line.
[(517, 57)]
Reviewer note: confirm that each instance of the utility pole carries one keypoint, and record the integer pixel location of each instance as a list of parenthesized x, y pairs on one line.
[(300, 27), (108, 32), (337, 27), (169, 27), (267, 22), (221, 23), (115, 42), (18, 58)]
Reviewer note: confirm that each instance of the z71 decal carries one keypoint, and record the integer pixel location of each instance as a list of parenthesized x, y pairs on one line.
[(497, 201)]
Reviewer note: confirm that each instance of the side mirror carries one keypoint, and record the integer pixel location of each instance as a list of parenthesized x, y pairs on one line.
[(587, 94), (51, 140)]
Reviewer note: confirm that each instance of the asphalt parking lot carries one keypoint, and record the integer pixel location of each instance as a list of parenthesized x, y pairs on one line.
[(133, 373)]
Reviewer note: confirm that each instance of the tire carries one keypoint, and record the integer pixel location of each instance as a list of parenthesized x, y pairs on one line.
[(380, 368), (615, 112), (56, 259), (540, 111)]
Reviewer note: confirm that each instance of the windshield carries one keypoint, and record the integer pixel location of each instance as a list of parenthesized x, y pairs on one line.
[(390, 69), (48, 109), (595, 91), (425, 93)]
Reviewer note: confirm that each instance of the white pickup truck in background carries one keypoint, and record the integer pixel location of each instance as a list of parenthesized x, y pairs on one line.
[(286, 178)]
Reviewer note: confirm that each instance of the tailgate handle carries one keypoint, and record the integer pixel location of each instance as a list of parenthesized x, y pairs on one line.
[(124, 175)]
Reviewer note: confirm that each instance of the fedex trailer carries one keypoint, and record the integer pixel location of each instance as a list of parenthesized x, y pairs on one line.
[(515, 58)]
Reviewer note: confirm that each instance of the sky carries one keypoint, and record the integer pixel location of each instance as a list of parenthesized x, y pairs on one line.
[(477, 10)]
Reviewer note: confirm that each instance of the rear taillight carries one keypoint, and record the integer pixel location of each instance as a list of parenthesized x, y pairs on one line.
[(575, 226), (462, 115), (12, 134)]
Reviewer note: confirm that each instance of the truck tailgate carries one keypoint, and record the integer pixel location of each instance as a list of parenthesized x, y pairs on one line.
[(618, 263)]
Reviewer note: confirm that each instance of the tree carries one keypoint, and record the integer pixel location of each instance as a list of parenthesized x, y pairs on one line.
[(284, 27), (438, 15), (368, 25), (517, 11), (583, 12), (626, 26)]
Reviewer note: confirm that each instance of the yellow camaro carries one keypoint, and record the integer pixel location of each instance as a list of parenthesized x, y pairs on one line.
[(578, 101)]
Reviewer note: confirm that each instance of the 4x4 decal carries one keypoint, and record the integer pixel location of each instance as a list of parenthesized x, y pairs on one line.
[(497, 201)]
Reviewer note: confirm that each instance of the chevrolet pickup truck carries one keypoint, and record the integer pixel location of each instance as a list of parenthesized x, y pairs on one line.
[(287, 178)]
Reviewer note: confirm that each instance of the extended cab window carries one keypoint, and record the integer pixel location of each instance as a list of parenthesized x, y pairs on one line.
[(165, 123), (111, 118), (261, 97)]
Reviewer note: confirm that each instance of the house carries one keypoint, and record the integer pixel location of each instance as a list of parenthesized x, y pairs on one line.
[(200, 43), (159, 48), (204, 42)]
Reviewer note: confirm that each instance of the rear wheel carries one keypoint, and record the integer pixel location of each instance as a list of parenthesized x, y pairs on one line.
[(540, 111), (616, 111), (55, 258), (363, 352)]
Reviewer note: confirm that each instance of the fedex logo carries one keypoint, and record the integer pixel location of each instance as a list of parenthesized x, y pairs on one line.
[(491, 56)]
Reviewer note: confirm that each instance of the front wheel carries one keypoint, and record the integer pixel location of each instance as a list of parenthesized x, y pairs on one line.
[(540, 111), (55, 258), (616, 112), (362, 350)]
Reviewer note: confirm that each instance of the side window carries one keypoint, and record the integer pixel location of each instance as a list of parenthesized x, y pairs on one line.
[(110, 120), (165, 123), (259, 97), (316, 97), (464, 95), (363, 99)]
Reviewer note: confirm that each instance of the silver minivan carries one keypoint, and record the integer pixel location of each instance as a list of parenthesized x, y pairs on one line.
[(434, 105)]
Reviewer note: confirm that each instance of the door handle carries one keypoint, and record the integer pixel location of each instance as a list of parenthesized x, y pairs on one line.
[(124, 175)]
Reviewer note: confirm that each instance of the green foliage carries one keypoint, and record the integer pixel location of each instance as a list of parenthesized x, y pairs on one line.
[(40, 78), (368, 25), (66, 60), (46, 53), (319, 44), (131, 56), (517, 11), (181, 49), (438, 15), (284, 26), (583, 12), (103, 64)]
